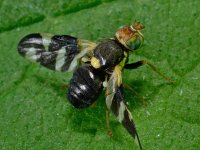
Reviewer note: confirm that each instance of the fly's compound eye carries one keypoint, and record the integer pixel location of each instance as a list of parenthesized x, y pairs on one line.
[(130, 36), (134, 42)]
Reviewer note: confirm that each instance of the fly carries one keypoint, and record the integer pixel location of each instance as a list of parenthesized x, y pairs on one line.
[(95, 66)]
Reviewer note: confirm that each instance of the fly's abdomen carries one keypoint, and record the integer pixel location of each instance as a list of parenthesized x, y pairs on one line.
[(85, 86)]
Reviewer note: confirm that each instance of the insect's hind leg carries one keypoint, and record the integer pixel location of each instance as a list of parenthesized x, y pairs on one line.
[(143, 62), (108, 122), (126, 86)]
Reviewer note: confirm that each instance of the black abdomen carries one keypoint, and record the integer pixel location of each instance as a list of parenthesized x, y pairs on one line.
[(85, 86)]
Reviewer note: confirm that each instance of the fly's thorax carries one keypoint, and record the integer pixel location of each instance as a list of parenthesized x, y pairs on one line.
[(107, 54)]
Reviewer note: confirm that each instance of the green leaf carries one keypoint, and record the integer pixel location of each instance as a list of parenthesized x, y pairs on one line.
[(34, 112)]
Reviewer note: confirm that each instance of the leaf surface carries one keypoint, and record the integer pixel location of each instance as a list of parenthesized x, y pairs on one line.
[(34, 111)]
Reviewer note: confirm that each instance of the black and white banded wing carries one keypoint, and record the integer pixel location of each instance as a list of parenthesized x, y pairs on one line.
[(115, 102), (55, 52)]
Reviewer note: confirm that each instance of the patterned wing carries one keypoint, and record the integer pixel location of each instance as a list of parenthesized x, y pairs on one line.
[(55, 52), (115, 102)]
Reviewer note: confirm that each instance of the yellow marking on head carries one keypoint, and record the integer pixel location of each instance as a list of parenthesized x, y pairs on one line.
[(95, 62)]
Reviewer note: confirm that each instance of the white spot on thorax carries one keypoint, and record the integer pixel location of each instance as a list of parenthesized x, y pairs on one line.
[(83, 87), (103, 61), (91, 75)]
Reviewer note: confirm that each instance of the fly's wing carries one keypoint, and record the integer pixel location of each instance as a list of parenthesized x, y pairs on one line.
[(115, 102), (55, 52)]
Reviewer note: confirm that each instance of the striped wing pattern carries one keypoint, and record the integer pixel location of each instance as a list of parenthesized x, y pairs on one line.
[(55, 52), (115, 103)]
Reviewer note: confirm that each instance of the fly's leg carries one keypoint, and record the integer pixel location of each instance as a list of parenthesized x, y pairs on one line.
[(94, 105), (126, 86), (143, 62), (64, 86), (108, 122)]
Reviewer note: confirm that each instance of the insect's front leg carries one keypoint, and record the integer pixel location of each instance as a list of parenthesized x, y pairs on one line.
[(143, 62)]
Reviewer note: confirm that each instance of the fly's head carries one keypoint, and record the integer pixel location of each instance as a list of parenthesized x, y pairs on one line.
[(130, 36)]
